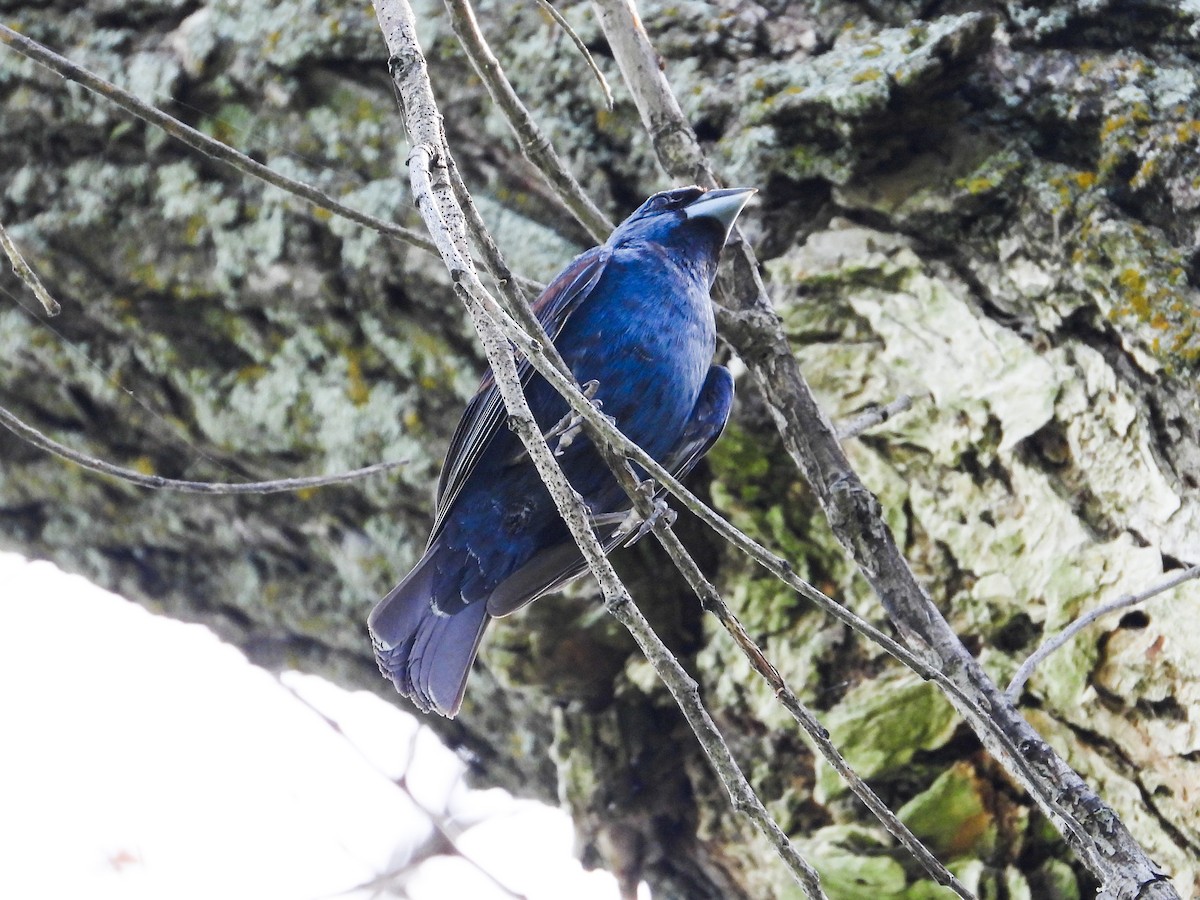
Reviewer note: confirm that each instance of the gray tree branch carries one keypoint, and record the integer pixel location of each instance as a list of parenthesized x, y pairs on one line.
[(27, 432)]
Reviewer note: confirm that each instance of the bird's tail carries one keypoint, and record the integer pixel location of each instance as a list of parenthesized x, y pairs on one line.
[(425, 652)]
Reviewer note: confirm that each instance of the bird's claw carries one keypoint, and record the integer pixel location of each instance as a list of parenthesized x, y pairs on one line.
[(645, 526), (570, 426)]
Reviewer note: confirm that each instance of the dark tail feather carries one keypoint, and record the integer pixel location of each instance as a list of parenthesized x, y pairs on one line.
[(426, 653)]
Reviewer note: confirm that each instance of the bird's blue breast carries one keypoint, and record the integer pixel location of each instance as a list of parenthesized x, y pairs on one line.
[(647, 336)]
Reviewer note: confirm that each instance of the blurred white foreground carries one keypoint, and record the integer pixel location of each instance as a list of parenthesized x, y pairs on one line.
[(143, 758)]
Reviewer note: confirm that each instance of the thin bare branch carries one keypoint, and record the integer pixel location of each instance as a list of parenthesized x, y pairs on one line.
[(32, 435), (210, 147), (751, 326), (872, 417), (534, 144), (197, 140), (23, 271), (441, 823), (438, 207), (715, 604), (1013, 691), (582, 48)]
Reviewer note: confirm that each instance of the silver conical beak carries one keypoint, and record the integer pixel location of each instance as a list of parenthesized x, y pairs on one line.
[(722, 205)]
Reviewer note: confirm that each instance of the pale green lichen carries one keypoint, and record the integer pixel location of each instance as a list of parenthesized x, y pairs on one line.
[(817, 115), (951, 816), (880, 725)]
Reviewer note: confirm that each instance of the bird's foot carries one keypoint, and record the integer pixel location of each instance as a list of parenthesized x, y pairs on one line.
[(570, 426), (645, 526)]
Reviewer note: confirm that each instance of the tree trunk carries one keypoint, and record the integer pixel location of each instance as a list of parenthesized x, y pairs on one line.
[(994, 211)]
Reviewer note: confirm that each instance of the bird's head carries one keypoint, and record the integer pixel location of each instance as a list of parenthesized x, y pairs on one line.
[(690, 224)]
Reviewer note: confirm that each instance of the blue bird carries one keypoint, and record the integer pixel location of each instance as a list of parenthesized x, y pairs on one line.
[(633, 320)]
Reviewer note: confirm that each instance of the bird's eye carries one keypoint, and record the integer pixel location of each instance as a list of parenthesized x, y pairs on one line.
[(658, 201)]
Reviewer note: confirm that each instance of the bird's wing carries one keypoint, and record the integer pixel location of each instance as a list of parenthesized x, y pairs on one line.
[(551, 569), (485, 413), (548, 571), (706, 424)]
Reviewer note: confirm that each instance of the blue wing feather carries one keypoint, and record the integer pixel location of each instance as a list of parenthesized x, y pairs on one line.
[(706, 423), (550, 570), (485, 413)]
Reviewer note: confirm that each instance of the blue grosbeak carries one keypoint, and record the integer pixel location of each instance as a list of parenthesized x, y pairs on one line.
[(632, 318)]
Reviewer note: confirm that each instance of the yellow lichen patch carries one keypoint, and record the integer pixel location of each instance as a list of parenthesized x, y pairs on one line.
[(1133, 288), (194, 229), (1144, 173), (1113, 124), (145, 465), (357, 388), (1186, 131)]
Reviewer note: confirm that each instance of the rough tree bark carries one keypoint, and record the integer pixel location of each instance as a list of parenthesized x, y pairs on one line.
[(993, 207)]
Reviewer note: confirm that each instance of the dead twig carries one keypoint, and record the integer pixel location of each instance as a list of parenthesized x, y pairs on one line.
[(32, 435), (23, 271), (1056, 641)]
